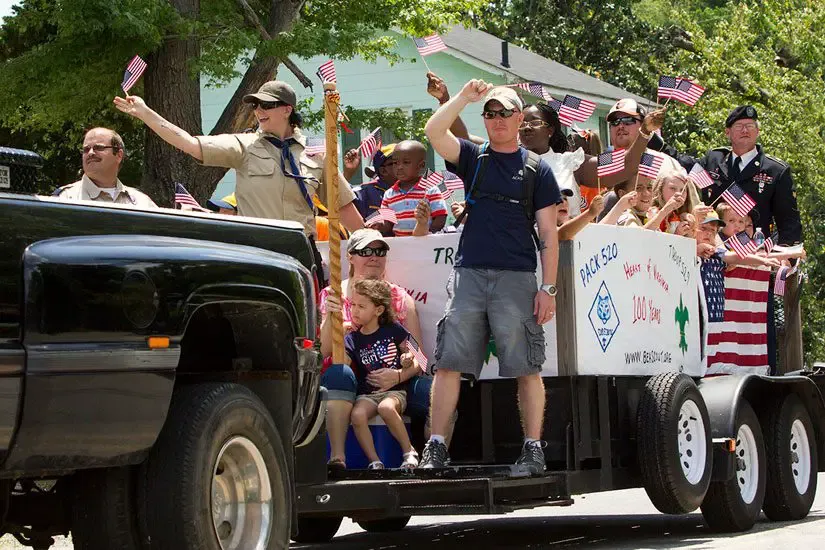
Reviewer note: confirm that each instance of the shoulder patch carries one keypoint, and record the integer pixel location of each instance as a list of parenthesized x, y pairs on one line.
[(782, 163), (59, 190)]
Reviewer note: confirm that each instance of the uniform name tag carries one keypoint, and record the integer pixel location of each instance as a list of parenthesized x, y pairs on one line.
[(5, 177)]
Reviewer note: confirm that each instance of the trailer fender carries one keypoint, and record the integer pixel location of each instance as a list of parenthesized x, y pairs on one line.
[(723, 395)]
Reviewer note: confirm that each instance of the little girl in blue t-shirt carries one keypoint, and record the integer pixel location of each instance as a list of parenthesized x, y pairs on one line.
[(380, 343)]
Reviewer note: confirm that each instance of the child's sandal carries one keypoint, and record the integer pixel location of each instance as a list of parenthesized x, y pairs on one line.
[(410, 460), (336, 463), (376, 465)]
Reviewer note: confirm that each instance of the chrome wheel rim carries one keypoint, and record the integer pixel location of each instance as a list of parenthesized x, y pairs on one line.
[(241, 497), (692, 442), (800, 456), (747, 464)]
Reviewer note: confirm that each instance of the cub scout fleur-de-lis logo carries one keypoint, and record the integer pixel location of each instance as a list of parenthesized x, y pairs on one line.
[(682, 318)]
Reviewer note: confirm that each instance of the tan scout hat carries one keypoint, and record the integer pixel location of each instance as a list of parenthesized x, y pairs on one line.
[(274, 90), (506, 96)]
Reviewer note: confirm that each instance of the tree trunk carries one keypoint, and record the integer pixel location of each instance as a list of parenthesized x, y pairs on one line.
[(175, 95)]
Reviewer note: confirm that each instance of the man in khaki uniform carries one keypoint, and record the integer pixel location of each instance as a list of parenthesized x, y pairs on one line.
[(275, 178), (103, 153)]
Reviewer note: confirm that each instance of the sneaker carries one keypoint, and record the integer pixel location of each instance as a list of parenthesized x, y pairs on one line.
[(410, 460), (532, 458), (376, 465), (435, 455)]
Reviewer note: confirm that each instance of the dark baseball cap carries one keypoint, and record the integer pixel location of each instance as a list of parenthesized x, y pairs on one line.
[(274, 90), (743, 111)]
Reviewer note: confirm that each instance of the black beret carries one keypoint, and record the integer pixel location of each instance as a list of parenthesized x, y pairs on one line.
[(743, 111)]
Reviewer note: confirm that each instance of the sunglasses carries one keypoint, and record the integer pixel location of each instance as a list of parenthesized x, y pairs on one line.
[(503, 113), (367, 252), (533, 124), (625, 121), (267, 105), (97, 148)]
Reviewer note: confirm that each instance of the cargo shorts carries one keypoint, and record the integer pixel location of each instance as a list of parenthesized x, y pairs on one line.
[(485, 302)]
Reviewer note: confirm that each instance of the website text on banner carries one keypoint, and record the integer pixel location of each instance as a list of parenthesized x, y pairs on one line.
[(628, 320)]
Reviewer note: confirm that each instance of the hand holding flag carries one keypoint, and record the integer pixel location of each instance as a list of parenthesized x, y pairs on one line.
[(185, 200)]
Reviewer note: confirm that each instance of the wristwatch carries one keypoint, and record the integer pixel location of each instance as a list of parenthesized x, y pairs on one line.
[(551, 290)]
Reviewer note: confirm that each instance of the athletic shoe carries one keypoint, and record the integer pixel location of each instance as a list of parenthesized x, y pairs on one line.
[(435, 455), (532, 458)]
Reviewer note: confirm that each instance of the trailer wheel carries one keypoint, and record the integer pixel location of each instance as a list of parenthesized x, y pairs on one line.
[(673, 443), (792, 461), (217, 478), (315, 530), (386, 525), (733, 505)]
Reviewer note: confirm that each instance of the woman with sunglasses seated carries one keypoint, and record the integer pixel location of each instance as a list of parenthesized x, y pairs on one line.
[(367, 252)]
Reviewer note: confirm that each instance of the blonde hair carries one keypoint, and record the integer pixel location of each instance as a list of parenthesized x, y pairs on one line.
[(380, 294), (691, 195), (722, 208)]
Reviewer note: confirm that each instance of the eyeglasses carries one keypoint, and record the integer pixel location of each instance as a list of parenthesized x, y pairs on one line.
[(625, 121), (98, 148), (267, 105), (533, 124), (367, 252), (503, 113), (749, 126)]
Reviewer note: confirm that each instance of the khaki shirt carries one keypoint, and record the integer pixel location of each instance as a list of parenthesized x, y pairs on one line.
[(86, 190), (262, 189)]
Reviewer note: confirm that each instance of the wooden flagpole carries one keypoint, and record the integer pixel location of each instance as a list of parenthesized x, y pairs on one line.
[(332, 100)]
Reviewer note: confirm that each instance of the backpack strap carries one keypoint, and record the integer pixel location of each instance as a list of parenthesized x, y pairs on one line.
[(531, 170), (481, 168)]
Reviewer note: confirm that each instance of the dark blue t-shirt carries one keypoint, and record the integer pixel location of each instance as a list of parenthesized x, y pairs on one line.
[(379, 350), (368, 197), (497, 234)]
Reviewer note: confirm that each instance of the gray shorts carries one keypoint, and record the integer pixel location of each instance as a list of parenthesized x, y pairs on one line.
[(485, 302)]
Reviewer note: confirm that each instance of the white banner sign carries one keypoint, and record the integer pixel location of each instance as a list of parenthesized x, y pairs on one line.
[(633, 329)]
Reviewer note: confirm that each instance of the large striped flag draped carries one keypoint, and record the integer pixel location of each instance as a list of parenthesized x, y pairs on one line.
[(185, 200), (326, 72), (738, 199), (737, 338), (429, 45), (649, 165), (611, 162), (132, 74), (576, 109), (680, 89)]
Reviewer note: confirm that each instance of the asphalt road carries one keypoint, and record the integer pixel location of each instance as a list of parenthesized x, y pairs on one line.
[(614, 520)]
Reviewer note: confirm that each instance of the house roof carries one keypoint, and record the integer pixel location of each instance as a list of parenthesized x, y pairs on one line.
[(526, 65)]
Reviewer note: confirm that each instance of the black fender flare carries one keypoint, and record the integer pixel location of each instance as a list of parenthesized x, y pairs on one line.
[(723, 394)]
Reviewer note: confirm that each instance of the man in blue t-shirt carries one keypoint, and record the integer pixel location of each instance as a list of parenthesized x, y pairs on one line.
[(492, 289)]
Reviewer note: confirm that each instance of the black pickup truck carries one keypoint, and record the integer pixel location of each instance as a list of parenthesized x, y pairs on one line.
[(157, 372)]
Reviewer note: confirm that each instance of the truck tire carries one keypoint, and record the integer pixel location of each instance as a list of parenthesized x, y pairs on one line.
[(217, 478), (315, 530), (790, 442), (733, 505), (103, 509), (386, 525), (673, 443)]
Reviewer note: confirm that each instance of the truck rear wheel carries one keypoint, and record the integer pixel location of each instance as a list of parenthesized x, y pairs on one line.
[(217, 478), (792, 461), (673, 443), (386, 525), (314, 530), (733, 505)]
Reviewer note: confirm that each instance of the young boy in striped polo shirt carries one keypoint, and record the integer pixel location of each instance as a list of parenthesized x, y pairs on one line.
[(419, 210)]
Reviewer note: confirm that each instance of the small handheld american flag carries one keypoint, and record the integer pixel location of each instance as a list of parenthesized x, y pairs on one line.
[(381, 215), (649, 165), (326, 72), (415, 349), (450, 184), (371, 143), (611, 162), (779, 281), (133, 72), (315, 146), (183, 198), (700, 176), (564, 116), (429, 45), (576, 109), (434, 179), (742, 244), (738, 199), (680, 89)]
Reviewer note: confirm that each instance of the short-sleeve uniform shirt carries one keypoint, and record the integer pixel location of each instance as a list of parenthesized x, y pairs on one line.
[(261, 188), (497, 234), (86, 190)]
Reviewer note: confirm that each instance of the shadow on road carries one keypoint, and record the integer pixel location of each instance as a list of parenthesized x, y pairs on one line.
[(614, 532)]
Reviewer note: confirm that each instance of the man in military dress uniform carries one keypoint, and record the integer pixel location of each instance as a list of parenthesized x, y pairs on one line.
[(103, 154), (765, 178)]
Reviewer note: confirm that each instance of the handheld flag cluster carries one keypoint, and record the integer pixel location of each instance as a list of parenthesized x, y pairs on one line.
[(680, 89)]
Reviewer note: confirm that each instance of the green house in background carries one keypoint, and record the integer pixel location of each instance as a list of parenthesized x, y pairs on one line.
[(471, 54)]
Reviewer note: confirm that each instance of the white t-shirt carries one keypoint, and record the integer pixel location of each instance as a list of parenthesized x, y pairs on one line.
[(564, 166)]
